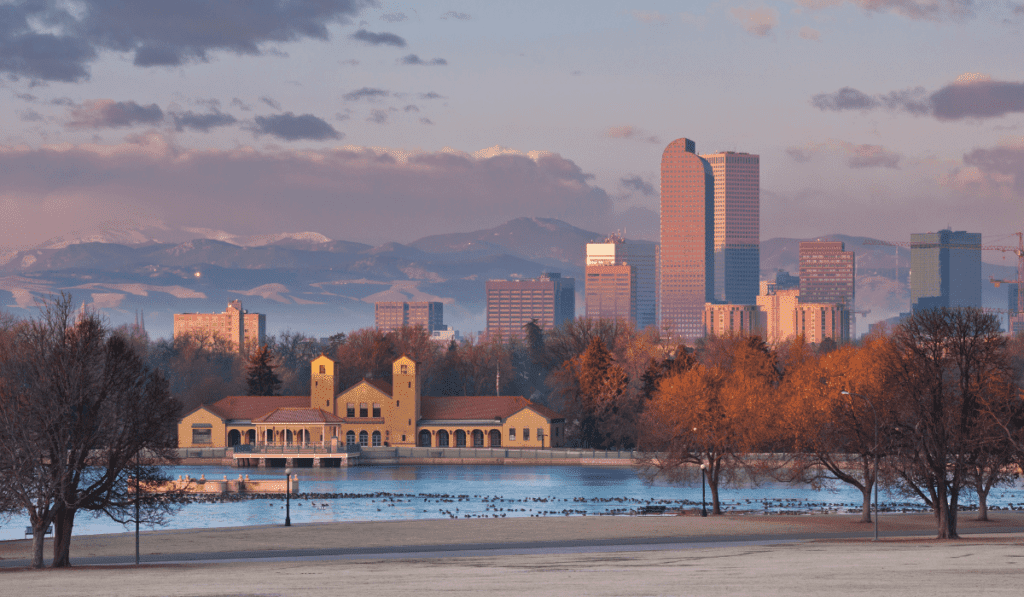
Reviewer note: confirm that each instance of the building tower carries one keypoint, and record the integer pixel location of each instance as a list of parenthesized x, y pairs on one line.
[(828, 276), (511, 304), (737, 225), (943, 275), (687, 239), (240, 330), (827, 273), (622, 281), (390, 316)]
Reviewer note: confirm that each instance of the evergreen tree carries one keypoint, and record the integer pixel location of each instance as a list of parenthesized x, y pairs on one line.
[(262, 380)]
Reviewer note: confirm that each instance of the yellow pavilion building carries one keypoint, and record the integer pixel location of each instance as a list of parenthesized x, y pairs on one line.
[(372, 413)]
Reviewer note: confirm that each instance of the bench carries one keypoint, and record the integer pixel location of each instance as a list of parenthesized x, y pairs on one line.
[(28, 531)]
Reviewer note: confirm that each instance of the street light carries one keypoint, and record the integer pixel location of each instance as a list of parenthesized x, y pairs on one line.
[(703, 489), (875, 450), (287, 497)]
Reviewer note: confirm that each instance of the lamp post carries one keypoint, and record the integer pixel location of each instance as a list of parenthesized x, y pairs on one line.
[(703, 490), (287, 497), (874, 449)]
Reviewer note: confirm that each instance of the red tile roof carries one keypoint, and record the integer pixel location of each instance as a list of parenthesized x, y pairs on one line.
[(458, 408), (247, 408), (298, 415)]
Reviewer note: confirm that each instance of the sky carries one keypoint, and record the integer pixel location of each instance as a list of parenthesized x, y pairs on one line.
[(389, 121)]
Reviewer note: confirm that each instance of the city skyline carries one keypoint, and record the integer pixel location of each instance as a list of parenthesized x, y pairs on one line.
[(409, 120)]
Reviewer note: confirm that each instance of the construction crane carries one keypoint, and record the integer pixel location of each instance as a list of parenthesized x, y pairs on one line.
[(1013, 320)]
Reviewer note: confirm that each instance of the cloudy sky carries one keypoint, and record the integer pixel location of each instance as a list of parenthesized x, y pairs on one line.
[(378, 121)]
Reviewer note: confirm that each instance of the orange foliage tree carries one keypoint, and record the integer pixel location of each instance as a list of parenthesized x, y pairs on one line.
[(713, 414), (834, 436)]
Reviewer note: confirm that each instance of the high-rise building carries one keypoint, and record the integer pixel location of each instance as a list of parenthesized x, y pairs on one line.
[(827, 273), (610, 292), (737, 225), (237, 327), (783, 316), (732, 320), (1015, 320), (393, 315), (511, 304), (608, 295), (945, 269), (687, 273), (778, 308)]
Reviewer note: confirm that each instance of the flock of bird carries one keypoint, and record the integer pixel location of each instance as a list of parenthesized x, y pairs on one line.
[(448, 505)]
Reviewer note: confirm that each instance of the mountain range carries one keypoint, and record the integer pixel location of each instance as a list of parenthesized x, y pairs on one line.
[(307, 282)]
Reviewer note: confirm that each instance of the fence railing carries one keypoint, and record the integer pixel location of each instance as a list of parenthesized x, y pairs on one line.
[(312, 449), (202, 453), (511, 453)]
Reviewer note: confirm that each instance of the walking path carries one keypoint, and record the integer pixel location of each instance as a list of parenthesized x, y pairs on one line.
[(536, 556)]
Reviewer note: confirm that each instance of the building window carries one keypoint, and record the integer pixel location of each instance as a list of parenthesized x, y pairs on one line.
[(364, 438), (526, 434), (363, 411), (376, 438), (376, 411), (351, 410), (323, 369), (404, 369), (512, 434), (350, 438), (202, 436)]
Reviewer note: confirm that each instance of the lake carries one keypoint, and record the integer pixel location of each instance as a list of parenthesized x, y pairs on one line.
[(445, 491)]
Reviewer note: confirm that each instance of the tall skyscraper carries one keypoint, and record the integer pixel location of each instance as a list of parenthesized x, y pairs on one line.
[(392, 315), (737, 225), (827, 273), (945, 269), (511, 304), (622, 281), (687, 239)]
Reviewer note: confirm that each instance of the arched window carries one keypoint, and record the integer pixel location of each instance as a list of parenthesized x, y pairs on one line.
[(234, 438), (460, 438), (364, 438), (350, 438), (270, 436), (376, 438), (250, 436), (478, 438), (442, 439), (288, 437), (304, 436), (424, 439), (495, 438)]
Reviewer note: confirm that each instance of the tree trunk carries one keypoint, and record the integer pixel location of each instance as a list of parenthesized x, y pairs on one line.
[(38, 539), (63, 524), (982, 501), (865, 513), (716, 507), (945, 514)]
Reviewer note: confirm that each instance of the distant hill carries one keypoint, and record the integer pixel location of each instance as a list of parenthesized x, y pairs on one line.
[(306, 282)]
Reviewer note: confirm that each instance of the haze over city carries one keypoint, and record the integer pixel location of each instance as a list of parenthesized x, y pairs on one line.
[(378, 122)]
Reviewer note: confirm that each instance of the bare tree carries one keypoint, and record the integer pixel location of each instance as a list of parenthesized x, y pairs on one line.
[(81, 417), (954, 386)]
